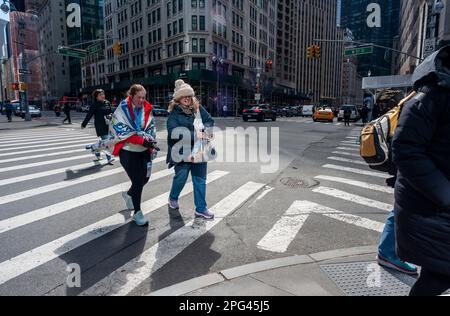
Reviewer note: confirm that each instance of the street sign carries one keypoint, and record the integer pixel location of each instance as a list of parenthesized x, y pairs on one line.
[(72, 52), (257, 96), (25, 72), (358, 51), (95, 48), (429, 47)]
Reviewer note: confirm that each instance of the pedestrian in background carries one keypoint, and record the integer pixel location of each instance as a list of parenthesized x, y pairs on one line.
[(66, 110), (100, 110), (421, 152), (183, 111), (9, 110), (134, 126), (347, 116)]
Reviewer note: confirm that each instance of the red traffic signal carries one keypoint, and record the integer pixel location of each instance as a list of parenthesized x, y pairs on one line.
[(15, 86)]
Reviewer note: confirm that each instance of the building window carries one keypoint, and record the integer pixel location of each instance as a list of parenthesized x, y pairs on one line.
[(202, 22), (194, 45), (202, 45), (194, 23)]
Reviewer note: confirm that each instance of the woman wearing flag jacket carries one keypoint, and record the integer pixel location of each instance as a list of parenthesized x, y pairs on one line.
[(133, 127)]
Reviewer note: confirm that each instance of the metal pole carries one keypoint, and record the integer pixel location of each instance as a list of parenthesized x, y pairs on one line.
[(23, 78)]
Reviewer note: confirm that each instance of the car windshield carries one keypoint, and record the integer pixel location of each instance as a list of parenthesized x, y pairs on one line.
[(348, 107), (32, 107)]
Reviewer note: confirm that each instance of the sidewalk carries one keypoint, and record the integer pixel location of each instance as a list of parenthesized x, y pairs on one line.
[(343, 272)]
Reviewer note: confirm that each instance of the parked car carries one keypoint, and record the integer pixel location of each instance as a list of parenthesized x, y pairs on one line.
[(288, 112), (259, 113), (33, 109), (160, 111), (323, 114), (308, 110), (354, 116), (297, 109)]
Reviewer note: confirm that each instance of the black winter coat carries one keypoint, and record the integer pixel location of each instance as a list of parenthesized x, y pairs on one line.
[(99, 111), (421, 152)]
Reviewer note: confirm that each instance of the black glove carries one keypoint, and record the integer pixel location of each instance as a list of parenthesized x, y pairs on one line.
[(151, 145)]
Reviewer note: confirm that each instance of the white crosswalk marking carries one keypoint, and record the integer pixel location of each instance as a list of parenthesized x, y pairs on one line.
[(49, 146), (283, 233), (46, 143), (43, 163), (74, 145), (131, 275), (360, 184), (358, 171), (353, 198), (346, 154), (32, 259), (356, 162), (59, 153), (63, 184), (18, 140), (348, 148)]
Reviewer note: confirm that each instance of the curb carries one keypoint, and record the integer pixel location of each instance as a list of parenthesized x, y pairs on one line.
[(244, 270)]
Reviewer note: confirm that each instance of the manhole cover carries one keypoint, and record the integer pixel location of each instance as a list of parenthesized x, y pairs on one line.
[(296, 183)]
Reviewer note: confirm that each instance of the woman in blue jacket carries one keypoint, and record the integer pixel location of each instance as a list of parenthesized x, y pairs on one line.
[(182, 134)]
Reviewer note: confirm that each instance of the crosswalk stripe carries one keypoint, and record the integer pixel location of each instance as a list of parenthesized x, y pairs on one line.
[(58, 208), (352, 137), (353, 198), (132, 274), (63, 184), (358, 171), (356, 162), (32, 133), (346, 154), (43, 163), (49, 137), (33, 176), (50, 142), (350, 143), (59, 153), (34, 258), (280, 236), (360, 184), (348, 148), (74, 145), (87, 140), (310, 208)]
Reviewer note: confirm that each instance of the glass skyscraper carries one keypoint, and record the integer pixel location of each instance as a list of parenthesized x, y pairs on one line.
[(354, 14)]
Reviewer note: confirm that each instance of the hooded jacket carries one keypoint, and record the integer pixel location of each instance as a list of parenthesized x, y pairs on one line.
[(99, 110), (421, 152)]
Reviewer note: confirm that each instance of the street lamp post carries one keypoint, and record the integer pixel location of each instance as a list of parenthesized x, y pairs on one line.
[(7, 6)]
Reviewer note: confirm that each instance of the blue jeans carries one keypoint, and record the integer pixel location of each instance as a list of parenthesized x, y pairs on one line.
[(386, 248), (198, 173)]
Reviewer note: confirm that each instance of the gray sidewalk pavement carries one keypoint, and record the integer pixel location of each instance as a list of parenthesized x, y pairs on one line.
[(343, 272)]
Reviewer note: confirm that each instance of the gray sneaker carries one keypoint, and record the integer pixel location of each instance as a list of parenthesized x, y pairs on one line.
[(174, 205), (140, 219), (207, 214), (128, 201)]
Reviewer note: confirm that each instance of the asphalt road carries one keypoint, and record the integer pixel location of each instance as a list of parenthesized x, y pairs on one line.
[(59, 209)]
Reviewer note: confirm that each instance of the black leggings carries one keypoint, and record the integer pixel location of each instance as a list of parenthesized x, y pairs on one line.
[(430, 284), (135, 164)]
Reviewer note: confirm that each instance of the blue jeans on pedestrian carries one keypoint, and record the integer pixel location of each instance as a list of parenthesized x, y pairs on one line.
[(198, 173), (386, 248)]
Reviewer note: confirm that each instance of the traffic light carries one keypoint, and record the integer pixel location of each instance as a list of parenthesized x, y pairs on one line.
[(269, 64), (310, 51), (15, 86), (317, 51), (117, 49)]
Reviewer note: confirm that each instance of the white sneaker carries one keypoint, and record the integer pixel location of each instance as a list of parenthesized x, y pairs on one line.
[(128, 201)]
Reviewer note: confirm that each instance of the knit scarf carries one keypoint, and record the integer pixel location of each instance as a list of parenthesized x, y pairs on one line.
[(188, 110)]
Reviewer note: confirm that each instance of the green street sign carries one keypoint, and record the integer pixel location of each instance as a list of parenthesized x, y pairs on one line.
[(358, 51), (72, 52), (95, 48)]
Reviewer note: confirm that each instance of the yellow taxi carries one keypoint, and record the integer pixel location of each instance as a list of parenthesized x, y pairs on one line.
[(323, 114)]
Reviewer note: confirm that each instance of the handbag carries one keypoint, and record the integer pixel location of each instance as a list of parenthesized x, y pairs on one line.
[(204, 149)]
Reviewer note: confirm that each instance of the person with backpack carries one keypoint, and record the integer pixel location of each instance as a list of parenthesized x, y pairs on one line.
[(8, 110), (100, 109), (421, 152)]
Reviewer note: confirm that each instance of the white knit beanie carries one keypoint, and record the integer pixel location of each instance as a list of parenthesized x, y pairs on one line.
[(182, 89)]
